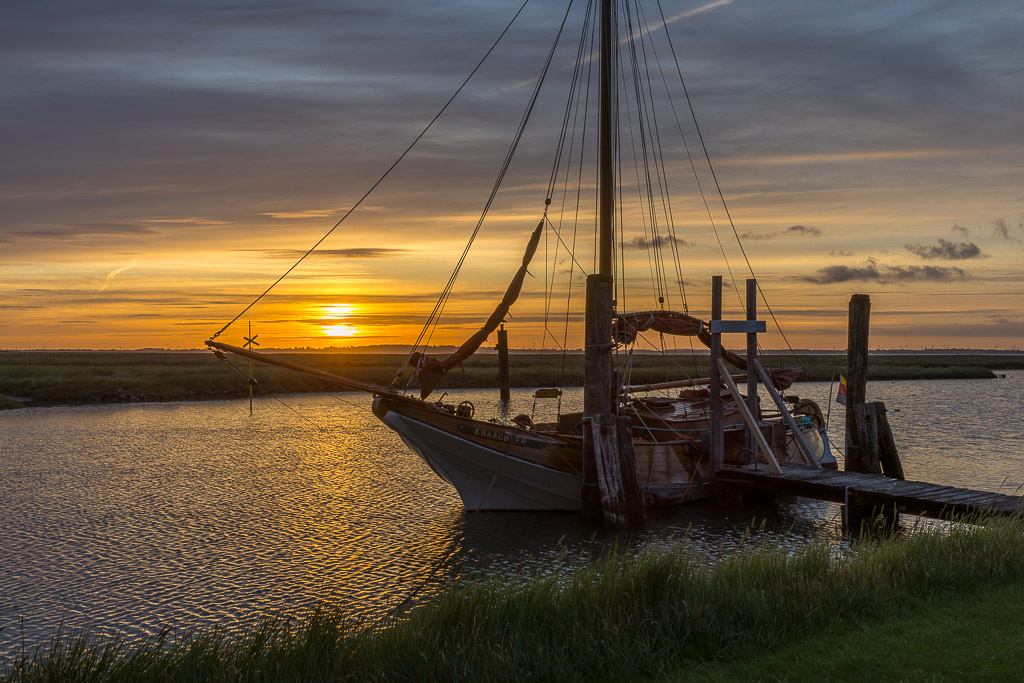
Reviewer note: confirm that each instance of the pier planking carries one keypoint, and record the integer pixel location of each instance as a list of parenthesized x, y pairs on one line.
[(913, 497)]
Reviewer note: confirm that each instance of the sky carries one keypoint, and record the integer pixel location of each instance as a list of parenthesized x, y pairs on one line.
[(164, 163)]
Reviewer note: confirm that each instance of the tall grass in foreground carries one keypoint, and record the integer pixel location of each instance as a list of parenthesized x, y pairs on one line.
[(621, 617)]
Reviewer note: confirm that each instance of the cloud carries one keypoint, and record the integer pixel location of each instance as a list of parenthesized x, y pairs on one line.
[(946, 250), (960, 230), (872, 272), (302, 213), (114, 273), (82, 230), (354, 252), (1002, 230), (840, 252), (809, 230), (641, 242), (792, 231), (193, 220)]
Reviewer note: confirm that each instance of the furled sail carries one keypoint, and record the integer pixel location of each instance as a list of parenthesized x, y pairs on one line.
[(432, 370), (629, 325)]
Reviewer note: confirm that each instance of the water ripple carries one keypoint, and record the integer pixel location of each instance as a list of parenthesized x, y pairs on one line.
[(130, 519)]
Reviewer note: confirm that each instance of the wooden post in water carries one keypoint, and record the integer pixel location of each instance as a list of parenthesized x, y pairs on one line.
[(503, 388), (611, 485), (889, 456), (865, 436), (622, 501), (751, 440), (856, 376), (636, 506), (597, 386), (717, 434)]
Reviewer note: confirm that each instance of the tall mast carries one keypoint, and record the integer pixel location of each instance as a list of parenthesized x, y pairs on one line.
[(606, 179), (599, 387), (599, 393)]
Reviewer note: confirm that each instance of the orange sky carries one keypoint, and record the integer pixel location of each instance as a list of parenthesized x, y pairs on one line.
[(165, 166)]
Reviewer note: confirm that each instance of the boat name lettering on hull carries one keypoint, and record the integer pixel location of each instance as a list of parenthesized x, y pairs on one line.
[(503, 437)]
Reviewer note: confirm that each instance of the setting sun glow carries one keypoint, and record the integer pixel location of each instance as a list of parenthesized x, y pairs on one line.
[(334, 322)]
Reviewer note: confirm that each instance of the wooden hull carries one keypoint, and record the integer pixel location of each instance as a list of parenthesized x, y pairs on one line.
[(498, 467), (504, 467)]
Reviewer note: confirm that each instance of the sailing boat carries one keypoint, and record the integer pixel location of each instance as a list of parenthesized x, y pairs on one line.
[(520, 464)]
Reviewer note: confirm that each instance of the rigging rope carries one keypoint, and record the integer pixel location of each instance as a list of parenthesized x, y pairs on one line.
[(385, 175), (719, 188), (574, 96), (426, 334)]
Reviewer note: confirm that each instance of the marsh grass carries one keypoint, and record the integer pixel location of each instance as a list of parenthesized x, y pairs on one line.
[(75, 378), (620, 617)]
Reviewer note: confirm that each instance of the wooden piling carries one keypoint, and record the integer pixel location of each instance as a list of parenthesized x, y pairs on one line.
[(598, 396), (866, 438), (752, 405), (503, 388), (889, 456), (717, 435), (636, 507), (865, 435), (856, 376), (622, 503)]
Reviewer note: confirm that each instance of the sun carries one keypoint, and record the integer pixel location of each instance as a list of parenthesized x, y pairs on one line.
[(335, 318), (338, 311)]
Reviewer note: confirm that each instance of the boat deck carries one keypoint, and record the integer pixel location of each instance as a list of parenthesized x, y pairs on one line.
[(869, 490)]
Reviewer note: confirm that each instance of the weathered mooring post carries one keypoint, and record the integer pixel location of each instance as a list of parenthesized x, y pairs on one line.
[(597, 370), (867, 430), (503, 388), (611, 484), (751, 441), (856, 379), (717, 434)]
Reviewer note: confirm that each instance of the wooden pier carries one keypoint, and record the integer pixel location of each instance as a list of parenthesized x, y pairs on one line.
[(871, 490)]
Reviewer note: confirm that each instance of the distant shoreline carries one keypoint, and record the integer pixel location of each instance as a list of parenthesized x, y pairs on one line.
[(58, 378), (402, 350)]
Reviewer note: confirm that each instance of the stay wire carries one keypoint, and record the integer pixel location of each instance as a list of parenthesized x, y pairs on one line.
[(434, 318), (647, 130), (571, 114), (648, 32), (661, 168), (655, 281), (721, 194), (573, 96), (582, 103), (385, 175)]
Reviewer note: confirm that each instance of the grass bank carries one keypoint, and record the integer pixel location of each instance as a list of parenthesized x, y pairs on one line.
[(949, 637), (661, 615), (80, 377)]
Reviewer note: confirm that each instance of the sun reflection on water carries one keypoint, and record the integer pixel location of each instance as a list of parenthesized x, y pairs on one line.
[(133, 517)]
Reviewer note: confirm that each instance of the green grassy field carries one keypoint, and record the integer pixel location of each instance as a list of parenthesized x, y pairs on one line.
[(973, 636), (82, 377), (764, 612)]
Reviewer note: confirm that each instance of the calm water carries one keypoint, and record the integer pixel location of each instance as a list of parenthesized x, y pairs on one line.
[(126, 519)]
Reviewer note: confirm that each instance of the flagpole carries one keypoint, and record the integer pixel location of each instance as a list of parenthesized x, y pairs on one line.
[(831, 396)]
